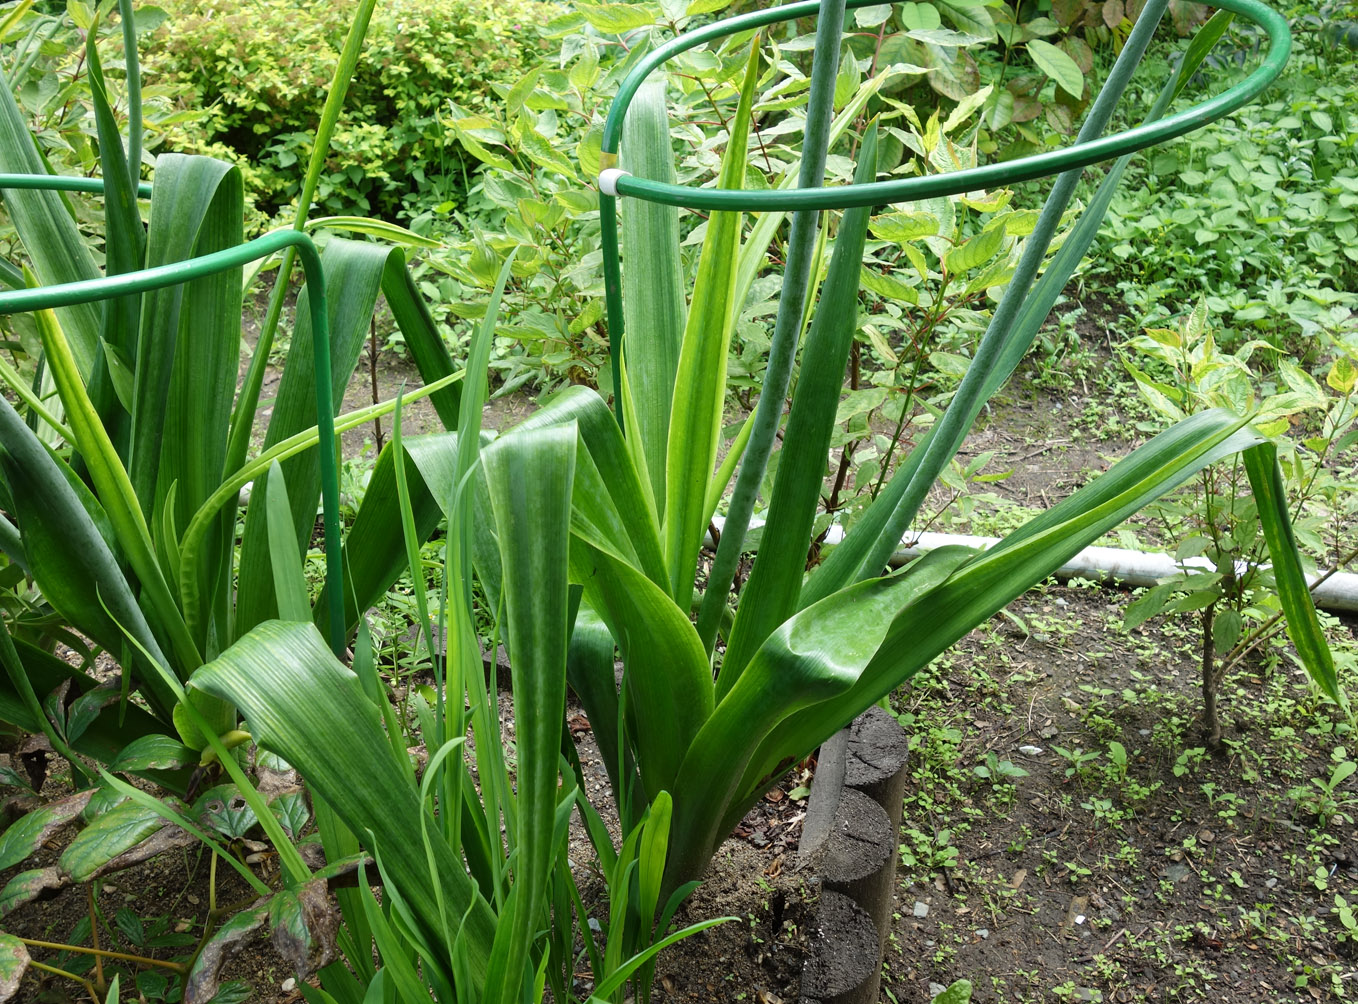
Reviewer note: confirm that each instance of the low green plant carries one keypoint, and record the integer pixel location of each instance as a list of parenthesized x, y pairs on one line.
[(1237, 226), (1000, 773), (1323, 797)]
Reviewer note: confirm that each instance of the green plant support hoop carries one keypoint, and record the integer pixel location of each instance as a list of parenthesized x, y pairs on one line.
[(68, 294), (614, 183)]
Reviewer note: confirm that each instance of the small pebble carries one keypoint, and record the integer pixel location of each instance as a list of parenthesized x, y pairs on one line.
[(289, 985), (1031, 750), (935, 989), (182, 927), (1061, 602), (1269, 883), (194, 900), (1080, 919), (982, 933), (921, 908), (594, 924)]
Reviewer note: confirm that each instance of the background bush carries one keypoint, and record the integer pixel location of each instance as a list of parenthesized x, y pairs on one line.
[(262, 68)]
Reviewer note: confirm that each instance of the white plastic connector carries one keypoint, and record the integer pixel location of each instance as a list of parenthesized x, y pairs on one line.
[(608, 180)]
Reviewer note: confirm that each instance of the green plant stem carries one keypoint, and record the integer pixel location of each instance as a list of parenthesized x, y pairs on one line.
[(44, 967), (787, 329), (243, 418), (105, 953)]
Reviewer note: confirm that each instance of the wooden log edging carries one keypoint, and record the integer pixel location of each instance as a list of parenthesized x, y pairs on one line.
[(849, 841)]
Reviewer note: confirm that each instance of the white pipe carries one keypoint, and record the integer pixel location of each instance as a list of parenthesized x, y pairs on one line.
[(1107, 564)]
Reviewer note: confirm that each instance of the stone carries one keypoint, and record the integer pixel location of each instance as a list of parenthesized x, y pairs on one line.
[(921, 909)]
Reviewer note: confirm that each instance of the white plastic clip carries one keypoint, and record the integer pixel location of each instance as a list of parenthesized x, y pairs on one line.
[(608, 180)]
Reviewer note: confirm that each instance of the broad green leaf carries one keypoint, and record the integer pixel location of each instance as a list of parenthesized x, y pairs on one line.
[(668, 679), (619, 18), (24, 836), (816, 655), (302, 704), (530, 475), (13, 964), (1058, 66), (156, 752), (975, 252), (118, 830)]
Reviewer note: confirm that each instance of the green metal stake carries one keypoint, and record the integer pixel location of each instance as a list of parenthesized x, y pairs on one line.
[(87, 291), (885, 192)]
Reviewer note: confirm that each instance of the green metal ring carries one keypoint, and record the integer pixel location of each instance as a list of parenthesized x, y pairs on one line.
[(131, 283), (926, 186)]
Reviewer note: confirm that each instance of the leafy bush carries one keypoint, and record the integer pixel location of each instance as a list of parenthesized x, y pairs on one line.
[(392, 154), (1258, 212)]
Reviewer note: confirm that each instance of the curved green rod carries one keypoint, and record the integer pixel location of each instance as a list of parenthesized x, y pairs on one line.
[(926, 186), (63, 183), (88, 290), (878, 193)]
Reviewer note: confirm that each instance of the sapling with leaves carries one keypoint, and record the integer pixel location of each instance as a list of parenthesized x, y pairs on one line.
[(1214, 524)]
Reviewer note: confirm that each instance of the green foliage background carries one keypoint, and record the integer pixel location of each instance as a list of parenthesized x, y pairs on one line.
[(393, 149)]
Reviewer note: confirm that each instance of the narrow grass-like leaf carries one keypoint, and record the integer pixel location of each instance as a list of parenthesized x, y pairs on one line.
[(55, 248), (1270, 499), (700, 388), (793, 300), (653, 282), (776, 578), (288, 580)]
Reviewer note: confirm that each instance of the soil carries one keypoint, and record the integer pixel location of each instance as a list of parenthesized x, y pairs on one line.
[(1188, 876)]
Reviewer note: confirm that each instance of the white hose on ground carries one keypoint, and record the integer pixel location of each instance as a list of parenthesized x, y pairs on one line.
[(1107, 564)]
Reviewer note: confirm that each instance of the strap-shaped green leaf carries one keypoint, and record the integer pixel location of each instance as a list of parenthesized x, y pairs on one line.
[(700, 389), (810, 659), (653, 282), (530, 476), (668, 682), (289, 582), (986, 584), (302, 704), (1303, 627), (353, 278), (770, 596), (623, 515)]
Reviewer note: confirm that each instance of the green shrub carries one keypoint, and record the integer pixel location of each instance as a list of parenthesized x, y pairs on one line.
[(392, 154)]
